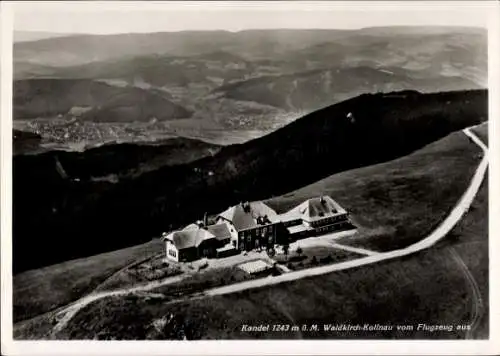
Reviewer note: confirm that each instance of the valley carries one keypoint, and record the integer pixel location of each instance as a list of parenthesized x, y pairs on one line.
[(223, 85)]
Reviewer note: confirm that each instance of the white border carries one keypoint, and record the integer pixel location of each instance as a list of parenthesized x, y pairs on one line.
[(5, 171), (323, 347), (494, 171)]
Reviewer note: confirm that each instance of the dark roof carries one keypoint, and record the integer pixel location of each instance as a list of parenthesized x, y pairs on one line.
[(314, 208), (245, 219), (321, 207), (189, 238), (220, 231)]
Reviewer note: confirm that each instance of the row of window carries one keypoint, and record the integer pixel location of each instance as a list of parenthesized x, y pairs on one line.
[(329, 227), (260, 231), (172, 253), (260, 239), (329, 220)]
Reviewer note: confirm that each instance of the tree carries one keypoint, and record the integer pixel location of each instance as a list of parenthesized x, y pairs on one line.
[(299, 251), (286, 248)]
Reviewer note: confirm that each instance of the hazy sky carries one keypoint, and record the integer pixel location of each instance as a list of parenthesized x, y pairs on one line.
[(114, 17)]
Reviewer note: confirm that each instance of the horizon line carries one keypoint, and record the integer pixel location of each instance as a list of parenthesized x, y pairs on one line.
[(250, 29)]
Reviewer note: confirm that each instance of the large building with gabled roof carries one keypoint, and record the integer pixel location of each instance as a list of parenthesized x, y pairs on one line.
[(252, 225), (315, 216)]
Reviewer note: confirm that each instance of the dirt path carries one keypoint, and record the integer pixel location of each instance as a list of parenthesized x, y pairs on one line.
[(325, 239), (358, 250), (441, 231), (70, 311), (477, 300)]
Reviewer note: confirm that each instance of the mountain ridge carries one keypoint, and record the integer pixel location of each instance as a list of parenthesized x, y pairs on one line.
[(98, 101), (80, 49)]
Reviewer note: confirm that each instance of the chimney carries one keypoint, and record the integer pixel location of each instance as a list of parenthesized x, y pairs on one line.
[(205, 219)]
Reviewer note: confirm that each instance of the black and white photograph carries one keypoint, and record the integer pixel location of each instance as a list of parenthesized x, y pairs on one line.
[(185, 171)]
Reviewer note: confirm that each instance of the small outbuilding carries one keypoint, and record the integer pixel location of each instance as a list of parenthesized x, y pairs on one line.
[(196, 241)]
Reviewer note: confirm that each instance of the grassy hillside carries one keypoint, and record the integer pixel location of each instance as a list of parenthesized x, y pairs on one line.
[(102, 217), (39, 291), (384, 198), (435, 286), (102, 102)]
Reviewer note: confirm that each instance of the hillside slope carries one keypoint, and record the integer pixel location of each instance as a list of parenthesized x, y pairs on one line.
[(111, 162), (97, 101), (434, 282), (158, 70), (313, 89), (24, 141), (385, 126)]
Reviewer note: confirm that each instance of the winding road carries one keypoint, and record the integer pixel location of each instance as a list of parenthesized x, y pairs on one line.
[(441, 231)]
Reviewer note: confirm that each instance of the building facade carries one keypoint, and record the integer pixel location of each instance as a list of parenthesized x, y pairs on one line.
[(254, 225), (195, 241), (315, 216)]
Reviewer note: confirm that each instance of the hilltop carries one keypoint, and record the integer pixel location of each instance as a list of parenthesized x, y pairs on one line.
[(321, 87), (90, 101), (26, 36), (383, 127)]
